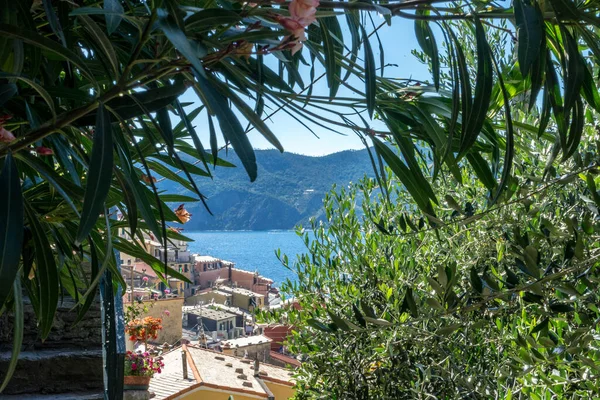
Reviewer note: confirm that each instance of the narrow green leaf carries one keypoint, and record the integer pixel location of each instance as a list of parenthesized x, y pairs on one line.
[(446, 330), (554, 97), (166, 129), (542, 326), (483, 90), (466, 100), (38, 88), (426, 40), (18, 331), (410, 301), (561, 308), (378, 321), (230, 126), (353, 23), (482, 170), (575, 71), (54, 22), (187, 120), (576, 129), (113, 17), (210, 17), (530, 33), (11, 226), (476, 280), (138, 103), (177, 37), (99, 174), (44, 43), (250, 115), (104, 46), (510, 142), (46, 273), (359, 317), (52, 178), (129, 200), (589, 92), (7, 91), (214, 147), (538, 69), (330, 26), (370, 74), (317, 325), (405, 175), (89, 300)]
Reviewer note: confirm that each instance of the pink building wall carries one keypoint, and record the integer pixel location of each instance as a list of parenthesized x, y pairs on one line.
[(244, 279)]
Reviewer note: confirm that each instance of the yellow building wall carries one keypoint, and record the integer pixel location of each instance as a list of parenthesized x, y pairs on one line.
[(281, 392), (171, 323), (204, 393)]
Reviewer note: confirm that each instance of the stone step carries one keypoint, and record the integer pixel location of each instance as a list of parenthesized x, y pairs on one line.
[(53, 372), (62, 396)]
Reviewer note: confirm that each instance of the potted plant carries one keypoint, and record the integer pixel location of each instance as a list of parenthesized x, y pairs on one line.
[(139, 368), (142, 329)]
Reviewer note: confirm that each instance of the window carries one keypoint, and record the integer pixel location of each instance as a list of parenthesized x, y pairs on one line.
[(185, 267), (129, 261)]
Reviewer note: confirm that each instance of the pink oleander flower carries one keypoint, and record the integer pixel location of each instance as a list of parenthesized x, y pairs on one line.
[(6, 136), (167, 291), (302, 14), (145, 279), (167, 313), (44, 151)]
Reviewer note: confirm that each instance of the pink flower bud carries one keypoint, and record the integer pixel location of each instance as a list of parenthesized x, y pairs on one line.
[(44, 151), (6, 136)]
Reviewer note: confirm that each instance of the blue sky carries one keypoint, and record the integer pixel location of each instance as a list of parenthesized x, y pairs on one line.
[(398, 40)]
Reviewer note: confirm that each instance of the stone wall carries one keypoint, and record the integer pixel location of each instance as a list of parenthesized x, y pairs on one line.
[(170, 311), (69, 360), (260, 351)]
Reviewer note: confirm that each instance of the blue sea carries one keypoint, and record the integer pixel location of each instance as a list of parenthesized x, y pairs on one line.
[(251, 250)]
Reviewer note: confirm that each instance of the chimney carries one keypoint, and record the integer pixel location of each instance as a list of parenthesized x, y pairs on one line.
[(184, 363), (256, 366)]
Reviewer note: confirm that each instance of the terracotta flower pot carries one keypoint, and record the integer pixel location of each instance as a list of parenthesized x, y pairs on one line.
[(136, 382)]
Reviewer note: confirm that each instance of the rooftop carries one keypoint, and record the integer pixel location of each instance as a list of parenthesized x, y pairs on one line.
[(199, 258), (267, 280), (241, 291), (247, 341), (233, 310), (170, 381), (286, 359), (214, 370), (215, 315)]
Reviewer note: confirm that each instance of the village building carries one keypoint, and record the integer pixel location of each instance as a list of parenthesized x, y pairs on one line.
[(216, 324), (193, 373), (209, 296), (138, 274), (210, 272), (254, 347), (244, 298)]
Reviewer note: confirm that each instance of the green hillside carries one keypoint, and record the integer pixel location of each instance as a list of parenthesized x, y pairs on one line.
[(289, 190)]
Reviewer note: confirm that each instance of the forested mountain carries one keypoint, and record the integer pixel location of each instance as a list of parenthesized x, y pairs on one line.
[(289, 190)]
